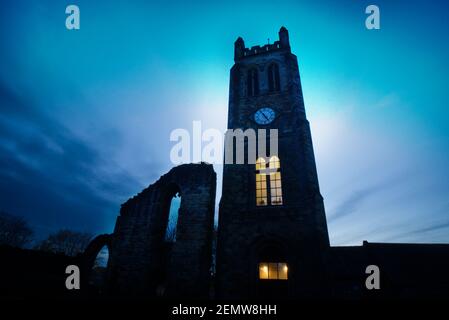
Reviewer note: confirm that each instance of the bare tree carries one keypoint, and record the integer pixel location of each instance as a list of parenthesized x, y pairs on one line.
[(66, 241), (14, 231)]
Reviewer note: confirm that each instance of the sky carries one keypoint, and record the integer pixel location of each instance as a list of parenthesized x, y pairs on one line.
[(86, 115)]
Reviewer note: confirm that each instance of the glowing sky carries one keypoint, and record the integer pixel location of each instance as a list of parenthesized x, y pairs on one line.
[(86, 115)]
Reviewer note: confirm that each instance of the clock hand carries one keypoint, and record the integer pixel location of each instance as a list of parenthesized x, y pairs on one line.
[(266, 118)]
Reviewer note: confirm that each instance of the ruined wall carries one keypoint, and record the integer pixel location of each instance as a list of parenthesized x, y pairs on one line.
[(141, 262)]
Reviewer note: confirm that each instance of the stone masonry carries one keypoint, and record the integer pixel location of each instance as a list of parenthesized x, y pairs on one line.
[(141, 262)]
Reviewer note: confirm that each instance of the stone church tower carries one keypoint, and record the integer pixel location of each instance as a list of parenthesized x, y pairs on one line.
[(272, 232)]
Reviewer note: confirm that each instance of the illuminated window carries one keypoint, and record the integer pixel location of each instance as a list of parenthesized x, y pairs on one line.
[(275, 181), (263, 270), (261, 183), (273, 271), (268, 175)]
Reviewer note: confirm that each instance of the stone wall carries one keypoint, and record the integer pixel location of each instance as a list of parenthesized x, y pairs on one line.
[(141, 262)]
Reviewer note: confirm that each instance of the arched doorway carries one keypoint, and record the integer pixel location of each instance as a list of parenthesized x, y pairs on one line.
[(98, 273), (95, 263), (171, 208), (272, 270)]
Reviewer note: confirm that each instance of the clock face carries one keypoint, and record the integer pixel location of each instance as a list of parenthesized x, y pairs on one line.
[(264, 115)]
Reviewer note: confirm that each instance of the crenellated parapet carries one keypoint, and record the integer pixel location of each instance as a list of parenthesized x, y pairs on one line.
[(241, 52)]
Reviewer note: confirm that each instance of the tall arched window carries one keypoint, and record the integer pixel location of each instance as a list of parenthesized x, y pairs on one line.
[(252, 82), (273, 78), (173, 213), (268, 182), (275, 181), (261, 182)]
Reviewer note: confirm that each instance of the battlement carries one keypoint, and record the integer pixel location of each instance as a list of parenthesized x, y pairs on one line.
[(241, 52), (258, 49)]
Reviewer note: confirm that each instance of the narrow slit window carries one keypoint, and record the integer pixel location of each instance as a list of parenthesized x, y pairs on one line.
[(252, 82), (273, 78)]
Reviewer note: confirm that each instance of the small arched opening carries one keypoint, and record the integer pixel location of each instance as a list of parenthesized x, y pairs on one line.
[(171, 205), (274, 83), (95, 263), (98, 273), (252, 82)]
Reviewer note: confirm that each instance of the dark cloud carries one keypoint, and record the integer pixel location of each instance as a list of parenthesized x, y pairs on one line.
[(439, 225), (434, 227), (398, 231), (50, 176), (357, 197)]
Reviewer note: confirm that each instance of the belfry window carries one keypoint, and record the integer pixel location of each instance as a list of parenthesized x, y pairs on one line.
[(273, 271), (273, 78), (252, 82), (268, 182)]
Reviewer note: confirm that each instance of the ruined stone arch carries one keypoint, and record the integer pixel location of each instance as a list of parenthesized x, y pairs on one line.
[(90, 254), (137, 259)]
